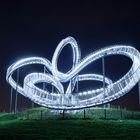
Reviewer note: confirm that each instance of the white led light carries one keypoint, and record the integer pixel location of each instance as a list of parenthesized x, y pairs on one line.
[(68, 99)]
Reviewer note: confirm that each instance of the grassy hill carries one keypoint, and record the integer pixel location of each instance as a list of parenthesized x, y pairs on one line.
[(23, 128), (42, 113)]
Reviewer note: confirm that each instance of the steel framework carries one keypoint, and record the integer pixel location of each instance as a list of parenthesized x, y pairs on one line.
[(61, 99)]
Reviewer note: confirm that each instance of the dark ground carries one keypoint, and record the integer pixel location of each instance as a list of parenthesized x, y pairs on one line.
[(70, 130)]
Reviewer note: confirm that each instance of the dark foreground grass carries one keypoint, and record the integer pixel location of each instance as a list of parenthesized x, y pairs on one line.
[(70, 130)]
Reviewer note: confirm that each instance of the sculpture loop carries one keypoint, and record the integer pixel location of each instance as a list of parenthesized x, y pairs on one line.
[(69, 99)]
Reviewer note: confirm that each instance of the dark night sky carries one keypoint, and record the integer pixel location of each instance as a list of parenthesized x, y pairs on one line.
[(35, 29)]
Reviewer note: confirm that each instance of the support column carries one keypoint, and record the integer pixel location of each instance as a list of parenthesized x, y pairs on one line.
[(77, 86), (32, 104), (71, 99), (139, 91), (11, 98), (103, 71), (43, 82), (17, 81)]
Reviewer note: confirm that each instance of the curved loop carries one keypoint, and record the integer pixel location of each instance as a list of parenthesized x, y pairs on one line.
[(76, 57), (31, 79), (21, 63)]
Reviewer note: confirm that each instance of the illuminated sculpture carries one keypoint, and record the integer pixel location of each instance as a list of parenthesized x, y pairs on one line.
[(68, 99)]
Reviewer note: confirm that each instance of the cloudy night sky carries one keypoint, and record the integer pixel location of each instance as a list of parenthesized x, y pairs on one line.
[(35, 29)]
